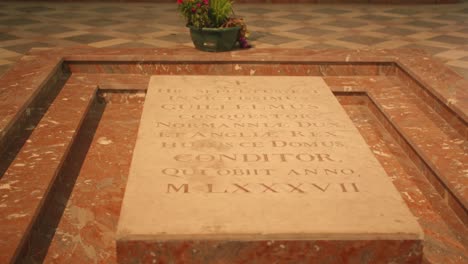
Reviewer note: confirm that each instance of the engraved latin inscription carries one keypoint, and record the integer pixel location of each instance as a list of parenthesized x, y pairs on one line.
[(227, 140)]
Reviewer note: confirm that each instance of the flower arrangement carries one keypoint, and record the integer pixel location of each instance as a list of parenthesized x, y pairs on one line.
[(213, 14)]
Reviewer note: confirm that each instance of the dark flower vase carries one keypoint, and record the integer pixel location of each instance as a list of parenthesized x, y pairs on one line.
[(215, 39)]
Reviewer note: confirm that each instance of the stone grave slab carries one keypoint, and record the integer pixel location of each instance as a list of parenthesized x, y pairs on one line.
[(229, 165)]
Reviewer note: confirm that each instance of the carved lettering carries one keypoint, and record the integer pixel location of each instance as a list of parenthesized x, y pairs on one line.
[(183, 172), (241, 187), (296, 188), (253, 157), (344, 187), (185, 188), (210, 189), (323, 189), (220, 125), (297, 144), (266, 188), (243, 116), (324, 171)]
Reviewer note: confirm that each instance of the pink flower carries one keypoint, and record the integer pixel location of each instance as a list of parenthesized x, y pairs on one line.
[(180, 2), (205, 2), (198, 5)]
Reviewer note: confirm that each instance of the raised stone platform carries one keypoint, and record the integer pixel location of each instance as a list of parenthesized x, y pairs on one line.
[(69, 120), (248, 159)]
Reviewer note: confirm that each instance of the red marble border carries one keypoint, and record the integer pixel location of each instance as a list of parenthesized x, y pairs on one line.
[(442, 89), (37, 165), (383, 251), (26, 83)]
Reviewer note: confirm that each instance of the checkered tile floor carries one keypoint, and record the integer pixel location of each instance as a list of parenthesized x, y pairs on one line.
[(441, 30)]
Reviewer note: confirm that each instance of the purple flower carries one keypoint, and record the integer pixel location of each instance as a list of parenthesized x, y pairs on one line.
[(243, 43)]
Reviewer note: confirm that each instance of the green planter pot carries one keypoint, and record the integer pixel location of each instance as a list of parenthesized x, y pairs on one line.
[(214, 39)]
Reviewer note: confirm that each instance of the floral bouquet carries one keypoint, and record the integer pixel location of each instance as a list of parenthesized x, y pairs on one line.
[(213, 14)]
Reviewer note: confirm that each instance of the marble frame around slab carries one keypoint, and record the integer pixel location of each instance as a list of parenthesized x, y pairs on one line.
[(32, 78)]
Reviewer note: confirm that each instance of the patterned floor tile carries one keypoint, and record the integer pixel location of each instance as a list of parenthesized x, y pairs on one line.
[(255, 10), (452, 54), (345, 44), (462, 71), (364, 40), (404, 11), (169, 22), (392, 44), (5, 36), (425, 24), (321, 46), (18, 41), (346, 23), (35, 9), (459, 64), (24, 48), (4, 62), (111, 9), (450, 40), (375, 17), (88, 38), (396, 31), (69, 34), (108, 43), (452, 17), (463, 11), (429, 49), (50, 29), (443, 45), (68, 15), (332, 11), (269, 38), (298, 17), (298, 44), (137, 30), (311, 31), (6, 54), (159, 43), (17, 22), (145, 15), (101, 22), (132, 45), (177, 38), (440, 30), (464, 30), (267, 23)]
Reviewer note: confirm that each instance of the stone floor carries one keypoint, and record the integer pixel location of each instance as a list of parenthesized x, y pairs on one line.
[(441, 30)]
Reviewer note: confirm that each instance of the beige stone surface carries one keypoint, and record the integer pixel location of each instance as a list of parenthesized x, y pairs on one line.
[(253, 158)]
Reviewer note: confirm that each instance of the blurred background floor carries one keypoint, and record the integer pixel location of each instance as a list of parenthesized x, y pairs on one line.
[(440, 30)]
